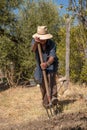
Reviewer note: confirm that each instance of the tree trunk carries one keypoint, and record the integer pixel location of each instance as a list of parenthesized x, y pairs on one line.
[(67, 50)]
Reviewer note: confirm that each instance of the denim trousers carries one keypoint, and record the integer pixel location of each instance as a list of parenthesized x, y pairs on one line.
[(52, 87)]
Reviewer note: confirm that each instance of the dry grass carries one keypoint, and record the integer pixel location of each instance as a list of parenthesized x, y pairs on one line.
[(19, 104), (75, 98)]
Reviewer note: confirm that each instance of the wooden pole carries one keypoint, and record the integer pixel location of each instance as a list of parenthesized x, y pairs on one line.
[(67, 50), (44, 74)]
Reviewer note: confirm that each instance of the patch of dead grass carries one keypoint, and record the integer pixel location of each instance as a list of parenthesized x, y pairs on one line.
[(24, 104), (21, 104), (77, 95)]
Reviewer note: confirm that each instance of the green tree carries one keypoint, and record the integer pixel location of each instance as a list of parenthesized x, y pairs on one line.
[(61, 50), (19, 23), (7, 22), (32, 14), (79, 8), (77, 54), (78, 41), (83, 75)]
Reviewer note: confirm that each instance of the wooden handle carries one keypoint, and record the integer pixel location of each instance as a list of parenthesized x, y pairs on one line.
[(44, 73)]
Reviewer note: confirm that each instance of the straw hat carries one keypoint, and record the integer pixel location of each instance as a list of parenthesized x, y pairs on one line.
[(42, 33)]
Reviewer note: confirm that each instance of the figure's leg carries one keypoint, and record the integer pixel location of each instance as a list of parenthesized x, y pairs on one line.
[(51, 77), (52, 84), (53, 87), (44, 95)]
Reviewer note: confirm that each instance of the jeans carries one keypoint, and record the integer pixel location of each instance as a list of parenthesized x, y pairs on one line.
[(51, 78)]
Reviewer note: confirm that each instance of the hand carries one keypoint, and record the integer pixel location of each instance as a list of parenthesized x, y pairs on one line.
[(43, 65), (37, 39)]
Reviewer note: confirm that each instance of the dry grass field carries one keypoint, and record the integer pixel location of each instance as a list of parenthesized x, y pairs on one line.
[(21, 109)]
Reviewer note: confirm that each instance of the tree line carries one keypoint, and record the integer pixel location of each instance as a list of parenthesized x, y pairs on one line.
[(19, 20)]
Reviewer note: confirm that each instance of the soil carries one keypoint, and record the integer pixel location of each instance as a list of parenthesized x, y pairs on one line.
[(71, 120), (77, 121), (68, 121)]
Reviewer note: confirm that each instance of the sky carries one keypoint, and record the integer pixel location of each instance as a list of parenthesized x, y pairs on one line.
[(63, 10), (64, 3), (58, 3)]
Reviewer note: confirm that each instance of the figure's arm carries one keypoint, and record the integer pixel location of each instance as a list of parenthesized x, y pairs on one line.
[(44, 65), (34, 47), (51, 58), (35, 42), (52, 54)]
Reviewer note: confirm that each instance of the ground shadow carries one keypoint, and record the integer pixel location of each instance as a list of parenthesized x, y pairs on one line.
[(3, 87), (64, 103)]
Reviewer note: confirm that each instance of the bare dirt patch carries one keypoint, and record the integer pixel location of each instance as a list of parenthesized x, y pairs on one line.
[(21, 109), (68, 121)]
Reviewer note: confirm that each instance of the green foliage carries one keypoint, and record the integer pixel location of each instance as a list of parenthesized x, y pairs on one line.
[(30, 16), (6, 51), (61, 51), (16, 32), (79, 62), (77, 54), (83, 76), (17, 29), (79, 9)]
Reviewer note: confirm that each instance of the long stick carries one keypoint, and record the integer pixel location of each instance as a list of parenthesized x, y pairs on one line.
[(44, 74)]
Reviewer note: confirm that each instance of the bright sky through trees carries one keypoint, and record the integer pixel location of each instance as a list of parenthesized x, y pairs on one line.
[(62, 5)]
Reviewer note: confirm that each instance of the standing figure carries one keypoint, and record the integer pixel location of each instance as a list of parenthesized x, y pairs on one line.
[(50, 63)]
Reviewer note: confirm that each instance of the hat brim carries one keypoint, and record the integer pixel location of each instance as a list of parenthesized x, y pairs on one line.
[(42, 37)]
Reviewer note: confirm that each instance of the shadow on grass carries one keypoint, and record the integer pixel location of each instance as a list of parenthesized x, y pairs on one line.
[(3, 87), (64, 103)]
